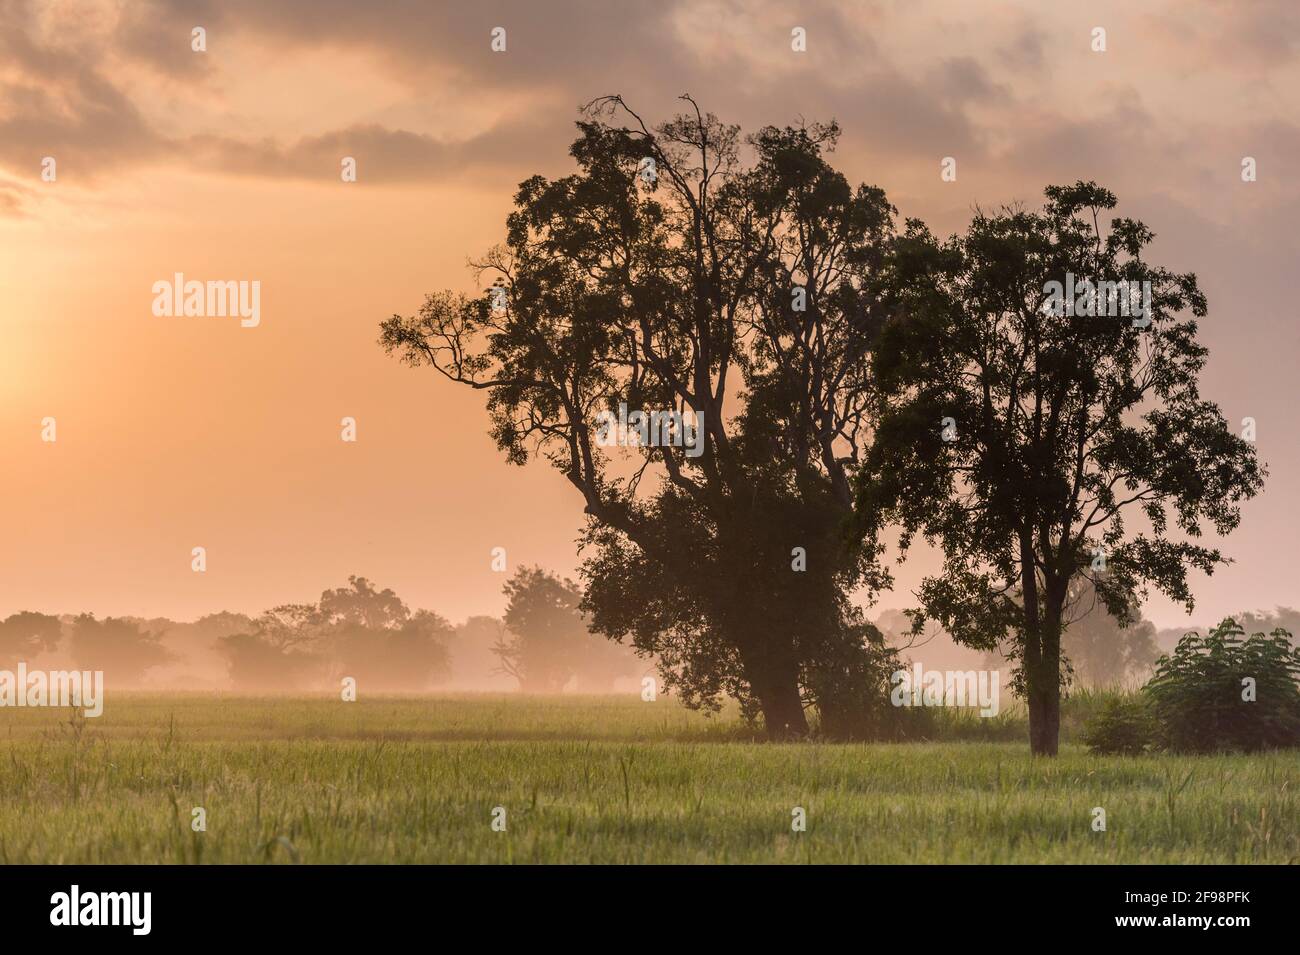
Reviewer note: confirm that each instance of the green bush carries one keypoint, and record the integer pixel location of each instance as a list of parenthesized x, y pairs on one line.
[(1122, 727), (1199, 696)]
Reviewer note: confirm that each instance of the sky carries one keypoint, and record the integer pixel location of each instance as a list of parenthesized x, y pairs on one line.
[(224, 163)]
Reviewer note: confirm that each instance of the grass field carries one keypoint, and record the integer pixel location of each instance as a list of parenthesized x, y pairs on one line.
[(595, 779)]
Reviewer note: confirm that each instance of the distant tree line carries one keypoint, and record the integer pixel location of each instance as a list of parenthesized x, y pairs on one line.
[(360, 631)]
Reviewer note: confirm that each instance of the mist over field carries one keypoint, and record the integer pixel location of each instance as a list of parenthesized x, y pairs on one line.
[(233, 652), (689, 432)]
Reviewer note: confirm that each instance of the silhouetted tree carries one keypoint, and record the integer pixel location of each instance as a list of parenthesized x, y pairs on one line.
[(258, 662), (279, 651), (546, 636), (25, 634), (373, 637), (408, 655), (118, 646), (357, 631), (360, 604), (222, 623), (1022, 435), (665, 275)]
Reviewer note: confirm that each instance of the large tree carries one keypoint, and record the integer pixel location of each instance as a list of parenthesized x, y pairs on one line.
[(682, 269), (1040, 426)]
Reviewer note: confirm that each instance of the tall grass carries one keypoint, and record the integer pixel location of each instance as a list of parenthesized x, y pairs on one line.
[(596, 779)]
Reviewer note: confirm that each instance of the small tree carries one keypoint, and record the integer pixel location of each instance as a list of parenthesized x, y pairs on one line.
[(1225, 692), (547, 636), (474, 664), (258, 663), (1038, 385), (410, 654), (360, 604)]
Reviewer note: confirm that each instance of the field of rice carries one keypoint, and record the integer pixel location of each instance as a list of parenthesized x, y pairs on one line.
[(597, 779)]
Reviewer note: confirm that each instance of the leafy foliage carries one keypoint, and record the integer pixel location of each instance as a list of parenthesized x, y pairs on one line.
[(548, 642), (1199, 698), (25, 634), (1022, 439), (119, 646), (680, 294), (1122, 727), (357, 631)]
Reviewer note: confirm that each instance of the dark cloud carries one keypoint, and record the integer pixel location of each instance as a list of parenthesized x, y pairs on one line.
[(55, 100), (158, 36), (1101, 146), (63, 95), (382, 155), (1027, 53)]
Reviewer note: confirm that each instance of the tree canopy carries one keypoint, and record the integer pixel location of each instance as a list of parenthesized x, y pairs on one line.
[(1038, 438), (729, 283)]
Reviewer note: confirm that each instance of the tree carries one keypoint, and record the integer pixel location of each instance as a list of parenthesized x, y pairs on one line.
[(1096, 649), (278, 652), (257, 662), (360, 604), (546, 636), (1228, 691), (1100, 651), (116, 645), (357, 631), (408, 654), (668, 278), (26, 634), (222, 623), (1022, 429)]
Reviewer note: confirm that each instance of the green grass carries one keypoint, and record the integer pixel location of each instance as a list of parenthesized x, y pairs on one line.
[(595, 779)]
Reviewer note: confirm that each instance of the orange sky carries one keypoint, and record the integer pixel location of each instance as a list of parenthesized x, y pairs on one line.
[(183, 432)]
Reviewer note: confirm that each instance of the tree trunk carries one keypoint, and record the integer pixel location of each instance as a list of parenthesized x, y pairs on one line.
[(1044, 719), (783, 713), (773, 677), (1043, 684), (1041, 658)]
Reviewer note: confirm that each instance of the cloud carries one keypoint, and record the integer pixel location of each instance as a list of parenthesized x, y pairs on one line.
[(908, 83), (56, 101), (383, 155), (13, 200)]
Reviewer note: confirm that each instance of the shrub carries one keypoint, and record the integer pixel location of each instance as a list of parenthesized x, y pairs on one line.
[(1122, 727), (1200, 697)]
